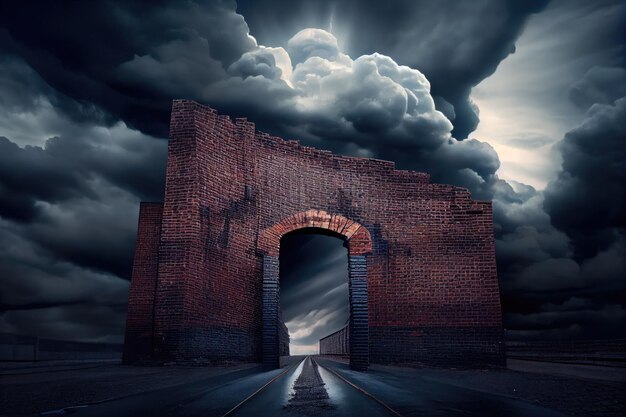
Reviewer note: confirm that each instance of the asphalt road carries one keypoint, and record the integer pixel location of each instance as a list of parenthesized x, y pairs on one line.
[(306, 389), (411, 394), (310, 392), (206, 398)]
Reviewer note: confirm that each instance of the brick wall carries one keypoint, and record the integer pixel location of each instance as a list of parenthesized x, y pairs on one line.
[(139, 341), (425, 251)]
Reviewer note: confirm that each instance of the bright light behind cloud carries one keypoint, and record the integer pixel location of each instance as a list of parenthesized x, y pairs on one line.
[(522, 136), (525, 106)]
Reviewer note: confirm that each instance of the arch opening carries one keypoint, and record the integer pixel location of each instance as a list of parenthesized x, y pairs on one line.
[(313, 291), (358, 242)]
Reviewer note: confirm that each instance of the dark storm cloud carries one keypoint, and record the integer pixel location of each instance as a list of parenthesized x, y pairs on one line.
[(455, 44), (44, 178), (77, 196), (588, 199), (600, 85), (46, 296), (86, 90), (67, 152), (85, 49), (69, 193), (568, 244), (72, 173), (23, 90), (65, 273), (370, 106), (65, 167), (203, 51)]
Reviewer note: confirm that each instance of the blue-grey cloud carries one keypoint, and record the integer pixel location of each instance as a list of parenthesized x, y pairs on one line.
[(600, 85), (83, 117), (453, 43), (588, 198), (570, 240)]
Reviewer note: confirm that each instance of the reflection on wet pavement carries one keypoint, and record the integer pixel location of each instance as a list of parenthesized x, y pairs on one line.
[(310, 396)]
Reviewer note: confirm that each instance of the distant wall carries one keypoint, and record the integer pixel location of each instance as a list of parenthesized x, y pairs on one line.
[(337, 343), (27, 348), (283, 339)]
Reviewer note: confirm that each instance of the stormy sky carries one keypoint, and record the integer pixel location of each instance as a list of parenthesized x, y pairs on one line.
[(522, 102)]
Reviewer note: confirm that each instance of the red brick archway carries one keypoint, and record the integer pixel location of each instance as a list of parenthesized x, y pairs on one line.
[(358, 237), (359, 243), (421, 254)]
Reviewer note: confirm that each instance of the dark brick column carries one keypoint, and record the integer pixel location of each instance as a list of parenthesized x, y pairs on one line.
[(359, 317), (271, 301), (138, 344)]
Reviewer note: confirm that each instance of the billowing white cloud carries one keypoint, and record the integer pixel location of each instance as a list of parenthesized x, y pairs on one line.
[(272, 63), (309, 43), (367, 106)]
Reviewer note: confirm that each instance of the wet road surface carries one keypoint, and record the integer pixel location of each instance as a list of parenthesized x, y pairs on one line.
[(311, 391), (305, 389), (410, 394)]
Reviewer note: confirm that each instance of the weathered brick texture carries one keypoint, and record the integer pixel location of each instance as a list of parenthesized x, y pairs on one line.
[(423, 253), (139, 328)]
